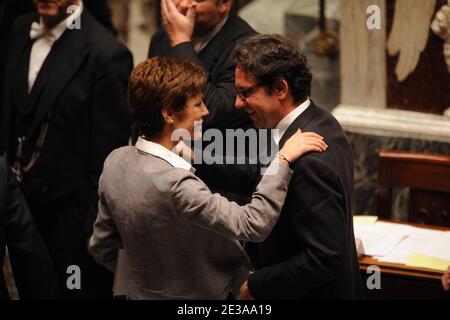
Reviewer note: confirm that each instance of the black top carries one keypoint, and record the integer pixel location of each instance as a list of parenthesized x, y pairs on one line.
[(33, 270)]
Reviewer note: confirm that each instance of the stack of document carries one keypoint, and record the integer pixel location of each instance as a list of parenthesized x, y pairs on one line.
[(403, 244), (434, 255), (380, 238)]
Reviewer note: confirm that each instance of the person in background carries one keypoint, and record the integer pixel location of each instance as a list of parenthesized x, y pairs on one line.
[(64, 111), (10, 10)]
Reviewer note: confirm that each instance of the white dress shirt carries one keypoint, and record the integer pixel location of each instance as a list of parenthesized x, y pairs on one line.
[(159, 151), (284, 124), (44, 42)]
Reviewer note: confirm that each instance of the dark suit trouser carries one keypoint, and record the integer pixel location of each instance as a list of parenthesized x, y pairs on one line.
[(61, 227)]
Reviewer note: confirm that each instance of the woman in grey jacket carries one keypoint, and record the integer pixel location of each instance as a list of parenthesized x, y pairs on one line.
[(180, 239)]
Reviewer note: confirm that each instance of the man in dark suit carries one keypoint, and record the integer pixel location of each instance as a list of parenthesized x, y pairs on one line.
[(206, 33), (64, 112), (33, 270), (310, 253), (12, 9)]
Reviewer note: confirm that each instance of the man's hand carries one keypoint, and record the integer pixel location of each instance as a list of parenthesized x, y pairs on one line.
[(244, 293), (446, 280), (179, 27)]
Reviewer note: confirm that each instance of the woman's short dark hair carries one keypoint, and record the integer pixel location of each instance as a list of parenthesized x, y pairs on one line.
[(273, 57), (161, 82)]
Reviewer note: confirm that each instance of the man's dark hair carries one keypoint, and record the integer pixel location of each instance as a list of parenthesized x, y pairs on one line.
[(162, 82), (272, 57)]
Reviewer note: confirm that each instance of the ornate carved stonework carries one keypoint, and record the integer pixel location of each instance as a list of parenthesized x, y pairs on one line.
[(370, 83), (426, 87), (441, 27)]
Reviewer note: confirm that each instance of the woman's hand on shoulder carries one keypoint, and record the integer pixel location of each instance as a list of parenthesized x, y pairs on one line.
[(302, 143)]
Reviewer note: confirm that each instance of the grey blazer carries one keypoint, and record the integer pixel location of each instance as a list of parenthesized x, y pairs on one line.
[(177, 234)]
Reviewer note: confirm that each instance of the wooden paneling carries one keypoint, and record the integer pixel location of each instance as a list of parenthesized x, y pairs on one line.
[(427, 176)]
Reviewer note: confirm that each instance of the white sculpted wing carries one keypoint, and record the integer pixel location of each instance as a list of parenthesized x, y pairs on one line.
[(409, 34)]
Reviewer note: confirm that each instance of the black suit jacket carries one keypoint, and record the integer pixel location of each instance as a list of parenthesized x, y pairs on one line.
[(33, 270), (311, 251), (83, 83)]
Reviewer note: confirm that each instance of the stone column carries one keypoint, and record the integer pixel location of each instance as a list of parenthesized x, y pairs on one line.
[(302, 26), (136, 22), (363, 56), (142, 24)]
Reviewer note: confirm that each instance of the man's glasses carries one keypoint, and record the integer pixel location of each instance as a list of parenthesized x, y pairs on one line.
[(245, 93)]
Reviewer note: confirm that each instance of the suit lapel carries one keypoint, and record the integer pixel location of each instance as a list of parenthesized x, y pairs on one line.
[(300, 122), (65, 58), (20, 82), (21, 40), (211, 53), (20, 59), (17, 51)]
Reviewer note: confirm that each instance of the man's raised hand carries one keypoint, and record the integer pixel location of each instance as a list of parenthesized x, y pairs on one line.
[(179, 27)]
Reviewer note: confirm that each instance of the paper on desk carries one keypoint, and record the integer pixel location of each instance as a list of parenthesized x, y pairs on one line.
[(381, 238), (363, 224), (361, 230), (438, 247), (417, 240), (419, 260), (365, 220)]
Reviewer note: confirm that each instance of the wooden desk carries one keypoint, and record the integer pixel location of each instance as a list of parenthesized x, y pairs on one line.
[(399, 281)]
